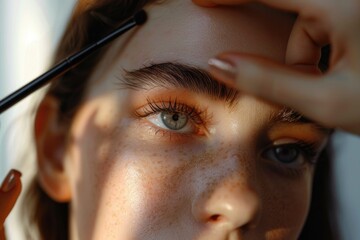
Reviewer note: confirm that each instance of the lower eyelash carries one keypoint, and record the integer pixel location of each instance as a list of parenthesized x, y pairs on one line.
[(172, 136)]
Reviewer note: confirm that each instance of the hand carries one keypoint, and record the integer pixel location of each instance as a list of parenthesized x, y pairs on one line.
[(9, 192), (333, 98)]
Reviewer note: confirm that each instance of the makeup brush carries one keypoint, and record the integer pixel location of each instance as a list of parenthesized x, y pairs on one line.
[(138, 19)]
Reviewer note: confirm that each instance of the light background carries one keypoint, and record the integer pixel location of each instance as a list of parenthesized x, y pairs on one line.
[(29, 32)]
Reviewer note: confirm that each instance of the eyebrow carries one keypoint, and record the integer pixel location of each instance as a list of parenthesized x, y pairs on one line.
[(177, 75), (289, 115)]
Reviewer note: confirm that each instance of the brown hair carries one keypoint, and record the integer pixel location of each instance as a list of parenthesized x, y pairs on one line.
[(91, 20)]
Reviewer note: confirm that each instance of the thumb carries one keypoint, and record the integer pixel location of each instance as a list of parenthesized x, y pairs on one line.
[(9, 192), (271, 81)]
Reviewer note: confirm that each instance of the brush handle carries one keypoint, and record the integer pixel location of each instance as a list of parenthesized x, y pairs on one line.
[(69, 63)]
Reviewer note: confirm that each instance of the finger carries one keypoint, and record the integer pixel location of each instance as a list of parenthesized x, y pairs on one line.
[(9, 192), (303, 48), (309, 32), (289, 5), (273, 82), (2, 234), (305, 42)]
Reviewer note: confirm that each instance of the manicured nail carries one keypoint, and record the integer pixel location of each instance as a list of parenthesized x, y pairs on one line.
[(10, 180), (223, 69)]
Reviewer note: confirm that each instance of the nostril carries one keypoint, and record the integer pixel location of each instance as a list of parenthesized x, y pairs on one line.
[(215, 218)]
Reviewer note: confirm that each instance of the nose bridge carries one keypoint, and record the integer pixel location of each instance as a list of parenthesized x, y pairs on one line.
[(228, 194)]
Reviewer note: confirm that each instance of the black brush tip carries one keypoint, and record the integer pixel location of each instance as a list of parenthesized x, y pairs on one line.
[(140, 17)]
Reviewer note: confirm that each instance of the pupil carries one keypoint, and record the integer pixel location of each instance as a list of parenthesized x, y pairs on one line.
[(286, 154), (175, 117)]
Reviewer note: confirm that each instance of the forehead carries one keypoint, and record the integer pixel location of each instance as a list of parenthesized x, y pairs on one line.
[(178, 30)]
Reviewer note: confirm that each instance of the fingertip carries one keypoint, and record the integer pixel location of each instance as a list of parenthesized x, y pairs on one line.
[(231, 67), (223, 70), (11, 180), (9, 192)]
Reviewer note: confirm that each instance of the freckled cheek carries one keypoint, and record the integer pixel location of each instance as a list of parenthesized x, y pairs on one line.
[(132, 186), (287, 206), (144, 180)]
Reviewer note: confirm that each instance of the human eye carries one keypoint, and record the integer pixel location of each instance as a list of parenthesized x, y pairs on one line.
[(174, 117), (293, 157), (172, 121)]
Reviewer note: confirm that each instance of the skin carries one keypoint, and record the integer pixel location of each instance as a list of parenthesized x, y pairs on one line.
[(127, 178), (319, 97)]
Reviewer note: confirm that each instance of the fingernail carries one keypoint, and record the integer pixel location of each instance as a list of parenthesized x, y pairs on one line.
[(10, 180), (223, 69)]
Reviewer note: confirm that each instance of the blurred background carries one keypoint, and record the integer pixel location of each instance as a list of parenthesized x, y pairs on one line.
[(30, 30)]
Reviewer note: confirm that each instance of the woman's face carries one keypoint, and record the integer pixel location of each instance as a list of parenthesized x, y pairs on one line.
[(160, 150)]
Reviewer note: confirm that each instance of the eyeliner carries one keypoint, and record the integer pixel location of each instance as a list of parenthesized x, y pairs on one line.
[(70, 62)]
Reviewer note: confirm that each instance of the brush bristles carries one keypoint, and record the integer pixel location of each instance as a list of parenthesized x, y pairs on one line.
[(140, 17)]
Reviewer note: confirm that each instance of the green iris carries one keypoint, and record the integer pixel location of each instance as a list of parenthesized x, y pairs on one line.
[(174, 121)]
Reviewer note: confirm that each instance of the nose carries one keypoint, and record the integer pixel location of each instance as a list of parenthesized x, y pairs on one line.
[(229, 201)]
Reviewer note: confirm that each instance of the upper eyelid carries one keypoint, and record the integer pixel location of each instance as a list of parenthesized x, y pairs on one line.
[(292, 129)]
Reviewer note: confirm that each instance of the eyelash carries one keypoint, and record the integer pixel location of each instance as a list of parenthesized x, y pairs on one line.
[(310, 152), (197, 116), (309, 149)]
